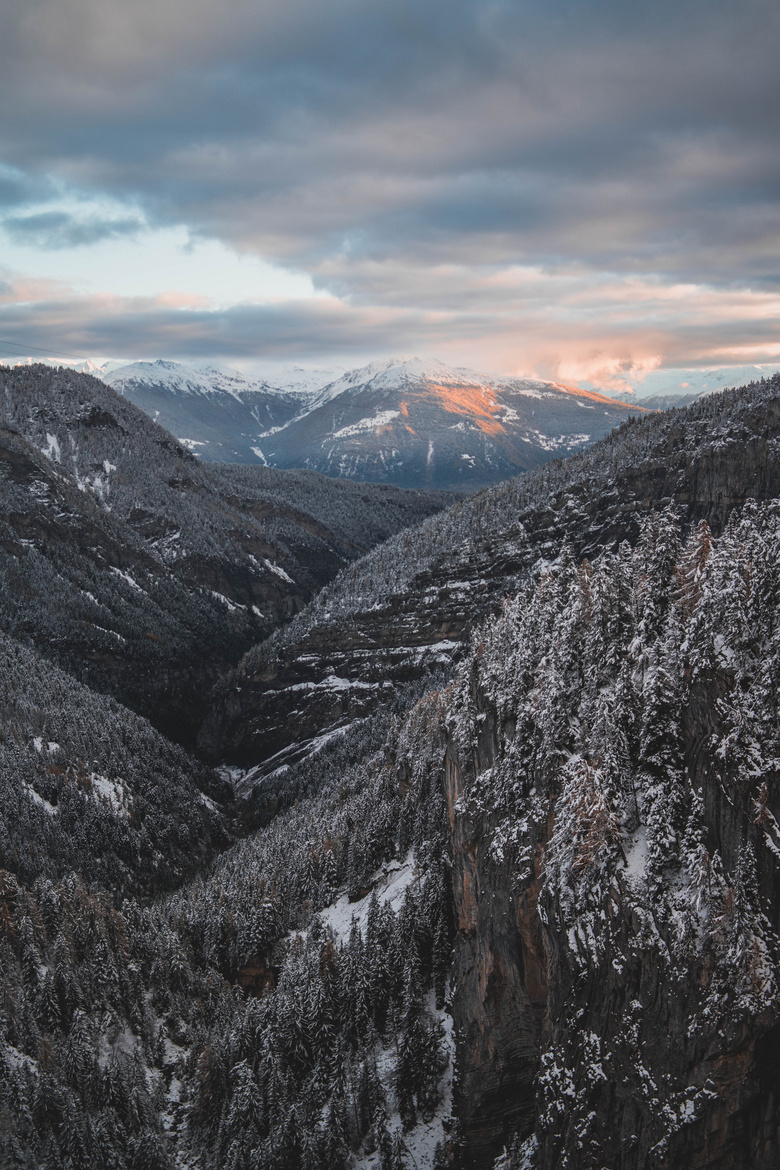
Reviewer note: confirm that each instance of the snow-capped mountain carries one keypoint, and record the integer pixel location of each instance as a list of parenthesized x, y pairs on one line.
[(303, 380), (216, 413), (411, 422), (408, 421)]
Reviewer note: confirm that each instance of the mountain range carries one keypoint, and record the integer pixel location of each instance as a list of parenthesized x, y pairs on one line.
[(410, 422), (350, 828), (145, 571)]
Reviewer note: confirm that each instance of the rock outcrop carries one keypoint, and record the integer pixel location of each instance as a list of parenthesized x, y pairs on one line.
[(613, 813)]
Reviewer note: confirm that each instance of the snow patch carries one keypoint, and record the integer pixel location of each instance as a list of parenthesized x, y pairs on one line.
[(52, 448), (111, 792), (637, 853), (381, 419), (126, 577), (278, 570), (390, 884), (36, 798), (233, 606)]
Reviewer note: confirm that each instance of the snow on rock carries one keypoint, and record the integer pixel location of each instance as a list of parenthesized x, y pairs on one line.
[(381, 419), (278, 570), (637, 852), (36, 798), (390, 884), (126, 577), (111, 792), (52, 448)]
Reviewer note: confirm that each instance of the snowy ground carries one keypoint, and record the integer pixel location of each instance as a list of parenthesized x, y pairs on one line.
[(421, 1141), (390, 884)]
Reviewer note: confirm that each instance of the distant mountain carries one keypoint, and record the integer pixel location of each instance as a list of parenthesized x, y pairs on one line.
[(216, 414), (415, 422), (301, 380), (410, 422), (670, 401), (679, 386), (663, 389)]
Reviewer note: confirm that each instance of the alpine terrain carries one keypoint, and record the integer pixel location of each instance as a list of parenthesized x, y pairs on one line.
[(468, 853), (215, 414), (408, 422), (144, 573)]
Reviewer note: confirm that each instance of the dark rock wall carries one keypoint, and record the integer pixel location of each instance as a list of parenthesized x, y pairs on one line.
[(518, 994)]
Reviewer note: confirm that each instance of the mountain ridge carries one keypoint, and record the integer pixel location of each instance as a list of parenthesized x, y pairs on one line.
[(465, 429)]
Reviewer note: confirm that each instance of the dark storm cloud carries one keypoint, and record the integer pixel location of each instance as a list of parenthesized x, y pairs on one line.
[(354, 138)]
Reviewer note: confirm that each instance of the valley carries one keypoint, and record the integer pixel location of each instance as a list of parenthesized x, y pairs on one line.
[(344, 826)]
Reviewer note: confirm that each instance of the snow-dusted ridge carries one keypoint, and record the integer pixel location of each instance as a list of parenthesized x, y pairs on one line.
[(181, 379)]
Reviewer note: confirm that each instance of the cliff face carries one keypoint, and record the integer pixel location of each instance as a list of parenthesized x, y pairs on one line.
[(499, 975), (615, 871)]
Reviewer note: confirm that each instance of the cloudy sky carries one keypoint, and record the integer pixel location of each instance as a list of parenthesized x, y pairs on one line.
[(584, 189)]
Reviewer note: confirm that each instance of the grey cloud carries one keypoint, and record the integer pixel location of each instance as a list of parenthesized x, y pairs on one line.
[(18, 188), (58, 229), (245, 331), (654, 325), (365, 139)]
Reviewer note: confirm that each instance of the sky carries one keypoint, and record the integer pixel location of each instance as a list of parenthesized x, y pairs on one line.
[(578, 189)]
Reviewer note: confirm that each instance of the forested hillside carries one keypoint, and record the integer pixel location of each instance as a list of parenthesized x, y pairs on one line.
[(143, 573), (520, 912), (88, 787), (409, 606), (570, 854)]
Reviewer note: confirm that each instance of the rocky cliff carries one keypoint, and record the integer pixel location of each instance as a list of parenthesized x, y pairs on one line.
[(615, 863)]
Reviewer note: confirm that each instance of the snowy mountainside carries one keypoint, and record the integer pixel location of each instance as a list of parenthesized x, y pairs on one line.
[(146, 573), (411, 421), (304, 381), (584, 826), (217, 414), (178, 378), (407, 608), (408, 421)]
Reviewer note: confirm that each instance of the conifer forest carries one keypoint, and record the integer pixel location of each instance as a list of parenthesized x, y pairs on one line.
[(351, 827)]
